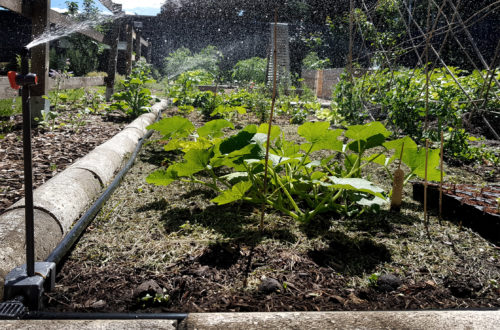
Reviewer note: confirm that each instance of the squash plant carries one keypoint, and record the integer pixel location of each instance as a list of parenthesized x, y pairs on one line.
[(135, 99), (299, 186)]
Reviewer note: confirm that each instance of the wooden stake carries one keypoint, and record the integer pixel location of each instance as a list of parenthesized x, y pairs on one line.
[(351, 39), (397, 185), (427, 78), (273, 101), (441, 179), (426, 218)]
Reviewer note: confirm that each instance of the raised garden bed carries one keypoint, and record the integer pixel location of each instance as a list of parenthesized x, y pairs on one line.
[(470, 205), (53, 149), (169, 249)]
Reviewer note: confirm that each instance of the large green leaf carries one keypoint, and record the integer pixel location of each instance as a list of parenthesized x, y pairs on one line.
[(320, 136), (356, 184), (371, 202), (238, 141), (363, 132), (196, 160), (214, 128), (237, 158), (416, 162), (287, 148), (366, 136), (175, 126), (397, 144), (313, 132), (236, 193), (275, 130), (160, 178), (414, 158)]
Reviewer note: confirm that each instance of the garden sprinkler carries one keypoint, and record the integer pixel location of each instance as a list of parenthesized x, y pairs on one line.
[(25, 284)]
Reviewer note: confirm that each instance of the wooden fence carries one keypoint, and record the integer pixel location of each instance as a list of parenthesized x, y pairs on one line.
[(322, 82), (71, 83)]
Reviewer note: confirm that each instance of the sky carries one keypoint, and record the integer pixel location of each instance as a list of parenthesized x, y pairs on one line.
[(139, 7)]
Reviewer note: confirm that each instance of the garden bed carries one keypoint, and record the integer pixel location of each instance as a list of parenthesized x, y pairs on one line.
[(477, 207), (53, 149), (170, 249)]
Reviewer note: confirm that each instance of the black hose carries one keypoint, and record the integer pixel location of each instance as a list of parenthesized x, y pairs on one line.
[(69, 240), (104, 316)]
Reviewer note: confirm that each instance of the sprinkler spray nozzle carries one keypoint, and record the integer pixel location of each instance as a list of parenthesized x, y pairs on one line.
[(18, 80)]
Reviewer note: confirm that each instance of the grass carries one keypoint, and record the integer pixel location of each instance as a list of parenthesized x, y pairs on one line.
[(9, 107)]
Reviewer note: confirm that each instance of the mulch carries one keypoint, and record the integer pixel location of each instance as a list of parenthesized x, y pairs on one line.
[(53, 150), (215, 281)]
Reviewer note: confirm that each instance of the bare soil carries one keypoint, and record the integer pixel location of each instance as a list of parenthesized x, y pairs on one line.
[(169, 249)]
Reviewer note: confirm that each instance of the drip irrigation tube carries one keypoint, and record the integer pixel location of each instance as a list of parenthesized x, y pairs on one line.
[(69, 240)]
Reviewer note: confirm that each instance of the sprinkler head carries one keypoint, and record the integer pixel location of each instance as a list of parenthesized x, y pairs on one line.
[(18, 80)]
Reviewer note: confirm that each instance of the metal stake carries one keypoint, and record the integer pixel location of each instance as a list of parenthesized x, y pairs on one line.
[(28, 173)]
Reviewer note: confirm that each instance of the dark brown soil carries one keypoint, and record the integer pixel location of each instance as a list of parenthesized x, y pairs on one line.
[(169, 249), (213, 282), (53, 150)]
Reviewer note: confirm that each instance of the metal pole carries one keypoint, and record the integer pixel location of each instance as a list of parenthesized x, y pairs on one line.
[(28, 173)]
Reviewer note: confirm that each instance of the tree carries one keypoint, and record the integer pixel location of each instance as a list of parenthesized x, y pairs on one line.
[(83, 53)]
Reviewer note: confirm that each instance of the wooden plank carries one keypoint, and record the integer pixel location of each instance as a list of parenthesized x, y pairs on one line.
[(115, 8), (138, 46), (13, 5), (130, 48), (112, 59), (149, 53), (40, 19)]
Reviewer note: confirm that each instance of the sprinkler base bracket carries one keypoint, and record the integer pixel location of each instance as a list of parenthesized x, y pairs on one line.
[(18, 283)]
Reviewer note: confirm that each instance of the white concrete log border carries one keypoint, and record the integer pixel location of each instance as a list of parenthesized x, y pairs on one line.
[(63, 199)]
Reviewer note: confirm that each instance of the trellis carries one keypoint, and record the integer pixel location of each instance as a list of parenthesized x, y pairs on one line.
[(423, 46)]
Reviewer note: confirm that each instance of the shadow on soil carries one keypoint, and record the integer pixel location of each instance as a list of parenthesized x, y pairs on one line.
[(220, 255), (116, 117), (232, 221), (382, 222), (353, 256), (155, 155), (373, 223)]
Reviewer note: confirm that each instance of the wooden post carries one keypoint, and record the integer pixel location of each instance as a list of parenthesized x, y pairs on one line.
[(319, 83), (138, 45), (39, 11), (130, 48), (113, 55), (150, 51)]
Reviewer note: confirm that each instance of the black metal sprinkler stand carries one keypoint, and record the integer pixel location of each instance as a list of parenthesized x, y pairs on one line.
[(26, 284)]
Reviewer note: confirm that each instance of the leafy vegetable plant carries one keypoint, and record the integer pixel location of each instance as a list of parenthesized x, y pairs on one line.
[(300, 186), (135, 99)]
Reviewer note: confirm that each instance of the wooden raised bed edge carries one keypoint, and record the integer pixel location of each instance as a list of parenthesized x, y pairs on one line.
[(457, 209)]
